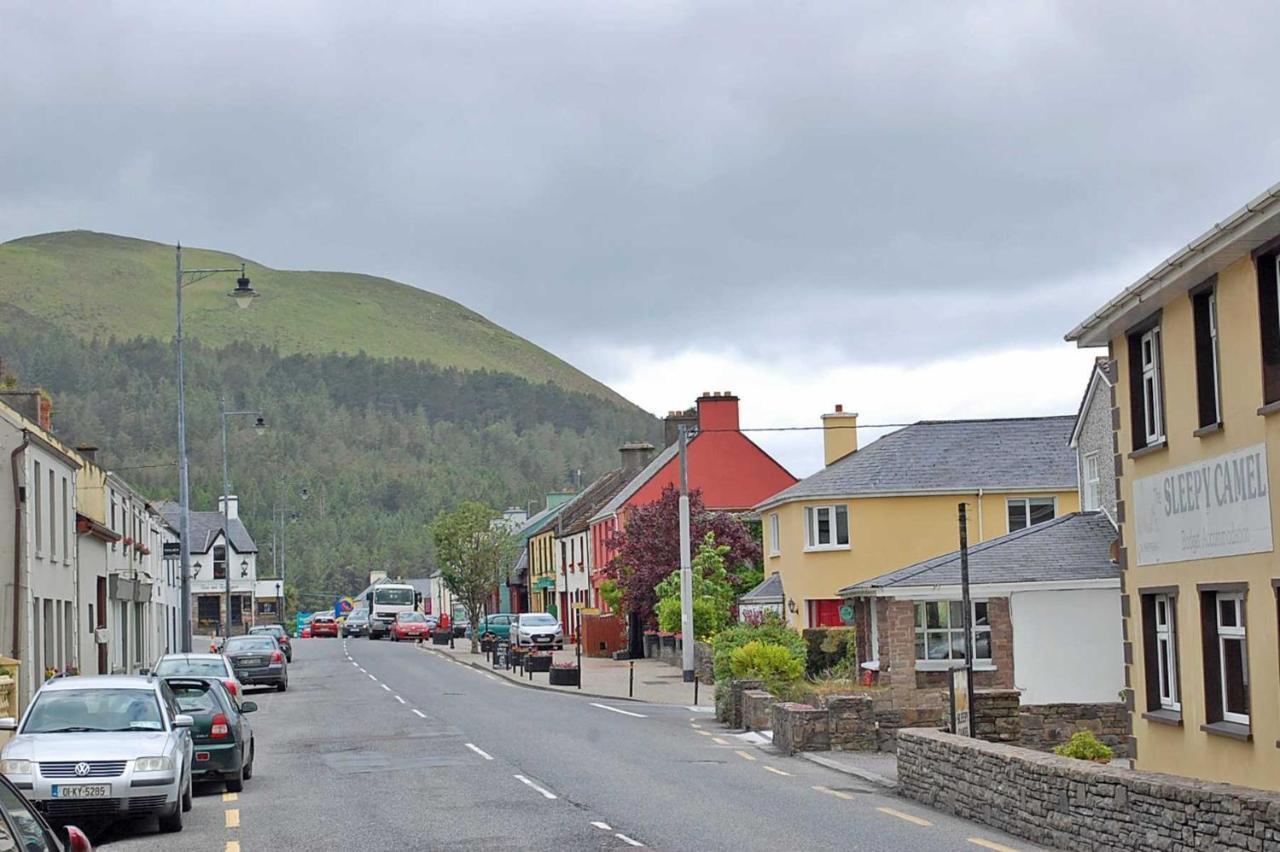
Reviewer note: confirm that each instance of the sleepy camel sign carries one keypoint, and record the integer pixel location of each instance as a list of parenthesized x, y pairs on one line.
[(1217, 507)]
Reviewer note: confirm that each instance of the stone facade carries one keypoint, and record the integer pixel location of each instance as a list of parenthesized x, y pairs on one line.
[(800, 727), (757, 714), (842, 723), (852, 722), (729, 700), (1075, 804), (998, 717), (1097, 436)]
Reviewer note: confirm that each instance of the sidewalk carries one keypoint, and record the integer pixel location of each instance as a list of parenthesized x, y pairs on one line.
[(655, 682), (875, 766)]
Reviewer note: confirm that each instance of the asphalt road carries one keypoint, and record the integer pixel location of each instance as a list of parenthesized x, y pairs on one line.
[(380, 746)]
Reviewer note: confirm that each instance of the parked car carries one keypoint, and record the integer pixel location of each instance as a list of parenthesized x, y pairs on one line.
[(278, 633), (258, 660), (107, 746), (357, 623), (411, 626), (536, 630), (200, 665), (23, 827), (498, 624), (306, 632), (324, 625), (220, 733), (461, 628)]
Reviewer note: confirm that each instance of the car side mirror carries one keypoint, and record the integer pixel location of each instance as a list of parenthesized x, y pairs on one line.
[(8, 723), (182, 720), (248, 707), (75, 840)]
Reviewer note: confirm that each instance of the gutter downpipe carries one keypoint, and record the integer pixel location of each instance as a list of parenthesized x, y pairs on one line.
[(981, 535), (18, 538)]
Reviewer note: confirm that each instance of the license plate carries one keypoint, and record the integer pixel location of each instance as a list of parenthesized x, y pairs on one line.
[(543, 639), (82, 791), (249, 662)]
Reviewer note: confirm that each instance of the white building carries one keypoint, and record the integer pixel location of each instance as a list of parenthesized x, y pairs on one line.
[(213, 555)]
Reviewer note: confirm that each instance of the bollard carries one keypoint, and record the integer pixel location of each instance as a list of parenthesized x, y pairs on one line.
[(631, 679), (579, 665), (695, 690)]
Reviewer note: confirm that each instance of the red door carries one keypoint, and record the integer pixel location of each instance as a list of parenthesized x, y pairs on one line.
[(825, 612)]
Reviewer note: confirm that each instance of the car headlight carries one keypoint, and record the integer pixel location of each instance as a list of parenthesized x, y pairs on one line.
[(151, 764), (15, 767)]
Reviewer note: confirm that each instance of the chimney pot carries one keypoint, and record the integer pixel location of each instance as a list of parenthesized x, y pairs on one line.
[(839, 408)]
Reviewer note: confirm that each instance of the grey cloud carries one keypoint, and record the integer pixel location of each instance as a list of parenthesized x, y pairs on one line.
[(896, 180)]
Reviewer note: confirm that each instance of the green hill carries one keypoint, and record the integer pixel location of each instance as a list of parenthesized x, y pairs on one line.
[(103, 286)]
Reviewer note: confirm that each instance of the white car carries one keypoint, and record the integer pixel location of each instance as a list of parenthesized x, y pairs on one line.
[(537, 630), (110, 746), (201, 665)]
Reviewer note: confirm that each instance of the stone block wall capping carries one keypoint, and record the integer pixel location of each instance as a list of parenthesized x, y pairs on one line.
[(1079, 805)]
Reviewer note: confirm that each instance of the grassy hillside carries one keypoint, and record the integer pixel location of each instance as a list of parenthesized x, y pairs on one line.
[(103, 286)]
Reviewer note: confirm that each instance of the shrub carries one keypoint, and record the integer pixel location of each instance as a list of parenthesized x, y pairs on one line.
[(770, 631), (707, 616), (1083, 745), (773, 664), (829, 648)]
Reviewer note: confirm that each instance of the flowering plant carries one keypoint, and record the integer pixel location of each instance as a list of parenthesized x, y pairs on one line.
[(569, 665)]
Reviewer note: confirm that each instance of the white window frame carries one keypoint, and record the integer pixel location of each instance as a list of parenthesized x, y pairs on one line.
[(1092, 484), (775, 546), (1026, 506), (1166, 632), (811, 537), (1231, 634), (920, 626), (1152, 402)]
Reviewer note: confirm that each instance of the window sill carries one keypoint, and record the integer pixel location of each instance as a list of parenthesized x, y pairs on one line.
[(1234, 730), (948, 665), (827, 548), (775, 555), (1150, 448), (1269, 409), (1164, 717), (1208, 430)]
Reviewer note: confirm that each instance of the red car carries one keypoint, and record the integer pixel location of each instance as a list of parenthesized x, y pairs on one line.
[(324, 625), (411, 626)]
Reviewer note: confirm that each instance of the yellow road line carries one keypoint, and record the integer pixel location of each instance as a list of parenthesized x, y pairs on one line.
[(839, 794), (703, 733), (230, 797), (719, 741), (233, 846), (908, 817), (989, 844), (233, 817), (695, 725), (745, 756), (776, 771)]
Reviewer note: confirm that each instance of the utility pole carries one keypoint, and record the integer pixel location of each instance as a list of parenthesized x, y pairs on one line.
[(184, 490), (967, 604), (686, 564)]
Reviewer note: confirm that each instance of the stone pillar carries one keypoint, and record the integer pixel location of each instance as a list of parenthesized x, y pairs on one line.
[(800, 727), (995, 715), (851, 722)]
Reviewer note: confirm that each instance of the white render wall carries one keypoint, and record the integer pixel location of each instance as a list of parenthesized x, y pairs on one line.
[(1067, 645)]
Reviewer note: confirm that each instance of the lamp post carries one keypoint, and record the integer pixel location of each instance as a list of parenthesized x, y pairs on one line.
[(260, 425), (286, 516), (244, 296)]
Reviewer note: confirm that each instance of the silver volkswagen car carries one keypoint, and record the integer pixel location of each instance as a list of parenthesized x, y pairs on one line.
[(103, 747)]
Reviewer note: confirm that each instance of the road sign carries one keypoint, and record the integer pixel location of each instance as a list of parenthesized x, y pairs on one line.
[(961, 718), (172, 549)]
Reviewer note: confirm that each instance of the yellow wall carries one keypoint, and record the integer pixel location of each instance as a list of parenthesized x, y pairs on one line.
[(1187, 750), (885, 533), (541, 564), (91, 492)]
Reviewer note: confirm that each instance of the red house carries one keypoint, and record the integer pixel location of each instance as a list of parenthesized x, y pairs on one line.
[(733, 473)]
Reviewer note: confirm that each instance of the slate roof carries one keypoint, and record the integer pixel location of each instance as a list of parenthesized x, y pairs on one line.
[(649, 472), (769, 591), (1023, 454), (1071, 547), (205, 527), (580, 510), (520, 570)]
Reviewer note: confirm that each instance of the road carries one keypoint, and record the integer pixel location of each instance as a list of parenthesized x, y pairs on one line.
[(380, 746)]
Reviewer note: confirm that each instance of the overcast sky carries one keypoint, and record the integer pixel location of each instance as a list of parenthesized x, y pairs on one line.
[(898, 206)]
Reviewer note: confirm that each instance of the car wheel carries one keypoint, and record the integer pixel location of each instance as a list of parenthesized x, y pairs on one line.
[(282, 686), (236, 784), (186, 797), (248, 769), (172, 822)]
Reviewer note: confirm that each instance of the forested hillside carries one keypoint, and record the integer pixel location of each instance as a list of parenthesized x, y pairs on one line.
[(382, 445)]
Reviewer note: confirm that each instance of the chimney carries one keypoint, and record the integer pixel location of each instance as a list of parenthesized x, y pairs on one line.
[(717, 410), (674, 420), (634, 457), (233, 507), (31, 404), (90, 453), (839, 435)]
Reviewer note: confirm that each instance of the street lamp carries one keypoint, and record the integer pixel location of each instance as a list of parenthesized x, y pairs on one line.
[(260, 426), (244, 295)]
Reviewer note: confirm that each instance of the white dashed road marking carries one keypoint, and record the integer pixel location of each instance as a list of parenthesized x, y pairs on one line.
[(398, 698), (479, 751), (627, 840), (603, 826), (384, 686), (419, 713), (546, 794), (619, 710)]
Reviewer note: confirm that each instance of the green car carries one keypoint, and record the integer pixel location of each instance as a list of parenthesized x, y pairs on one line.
[(498, 624), (221, 736)]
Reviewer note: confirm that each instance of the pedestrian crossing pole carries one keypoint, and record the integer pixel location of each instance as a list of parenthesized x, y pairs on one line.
[(686, 564)]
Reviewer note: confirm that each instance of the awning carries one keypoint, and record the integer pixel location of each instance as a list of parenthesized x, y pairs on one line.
[(543, 584)]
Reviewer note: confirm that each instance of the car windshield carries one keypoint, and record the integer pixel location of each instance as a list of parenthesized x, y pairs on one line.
[(266, 631), (196, 700), (539, 619), (79, 710), (393, 597), (358, 615), (250, 643), (411, 616), (179, 666)]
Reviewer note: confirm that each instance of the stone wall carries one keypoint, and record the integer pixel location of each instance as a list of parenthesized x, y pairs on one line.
[(800, 727), (1075, 804), (757, 714), (890, 720), (851, 721), (703, 662), (998, 717), (729, 700)]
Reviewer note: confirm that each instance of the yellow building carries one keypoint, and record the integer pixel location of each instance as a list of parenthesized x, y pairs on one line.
[(542, 569), (894, 502), (1197, 346)]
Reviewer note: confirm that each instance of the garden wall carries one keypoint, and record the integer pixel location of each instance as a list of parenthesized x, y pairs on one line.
[(998, 717), (1075, 804)]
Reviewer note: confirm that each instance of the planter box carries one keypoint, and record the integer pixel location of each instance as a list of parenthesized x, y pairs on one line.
[(440, 638), (566, 677), (650, 645), (538, 663)]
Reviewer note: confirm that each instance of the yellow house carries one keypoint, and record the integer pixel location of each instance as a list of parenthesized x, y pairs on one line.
[(894, 502), (1197, 346), (542, 569)]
